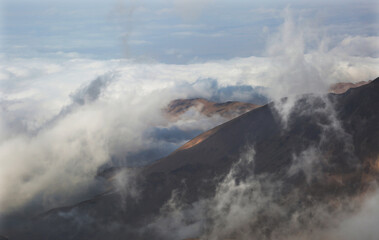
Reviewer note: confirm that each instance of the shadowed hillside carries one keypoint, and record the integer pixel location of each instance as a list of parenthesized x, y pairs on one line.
[(290, 167)]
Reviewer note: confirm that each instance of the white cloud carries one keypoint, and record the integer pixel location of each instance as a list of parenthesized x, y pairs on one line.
[(359, 46), (52, 161), (303, 61)]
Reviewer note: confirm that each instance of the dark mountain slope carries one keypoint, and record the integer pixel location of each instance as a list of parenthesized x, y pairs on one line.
[(326, 149), (262, 128)]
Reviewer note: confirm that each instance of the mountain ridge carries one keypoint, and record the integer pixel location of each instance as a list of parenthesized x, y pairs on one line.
[(341, 130), (229, 109)]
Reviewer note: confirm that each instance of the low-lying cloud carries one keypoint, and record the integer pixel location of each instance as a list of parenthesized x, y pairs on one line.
[(61, 119), (247, 205)]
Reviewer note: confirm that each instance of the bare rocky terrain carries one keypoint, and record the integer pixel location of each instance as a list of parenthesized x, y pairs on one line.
[(227, 109), (342, 87)]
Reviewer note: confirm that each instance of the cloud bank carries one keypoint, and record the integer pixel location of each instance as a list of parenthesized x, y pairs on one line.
[(63, 118)]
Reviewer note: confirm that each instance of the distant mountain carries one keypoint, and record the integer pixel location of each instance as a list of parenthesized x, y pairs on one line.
[(170, 138), (342, 87), (228, 110), (267, 174)]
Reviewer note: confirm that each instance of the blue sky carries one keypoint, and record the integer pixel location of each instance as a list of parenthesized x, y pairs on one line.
[(170, 31)]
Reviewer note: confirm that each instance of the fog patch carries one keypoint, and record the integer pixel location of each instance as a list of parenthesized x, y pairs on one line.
[(91, 92), (125, 183), (177, 220), (296, 69), (309, 162), (303, 61), (363, 224), (249, 206)]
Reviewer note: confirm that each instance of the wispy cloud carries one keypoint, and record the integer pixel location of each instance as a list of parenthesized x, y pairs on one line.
[(50, 163)]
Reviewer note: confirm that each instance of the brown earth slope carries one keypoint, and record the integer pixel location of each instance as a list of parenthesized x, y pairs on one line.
[(228, 109), (342, 87)]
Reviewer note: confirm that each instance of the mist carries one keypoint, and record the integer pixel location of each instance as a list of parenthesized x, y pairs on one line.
[(247, 205), (63, 119)]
